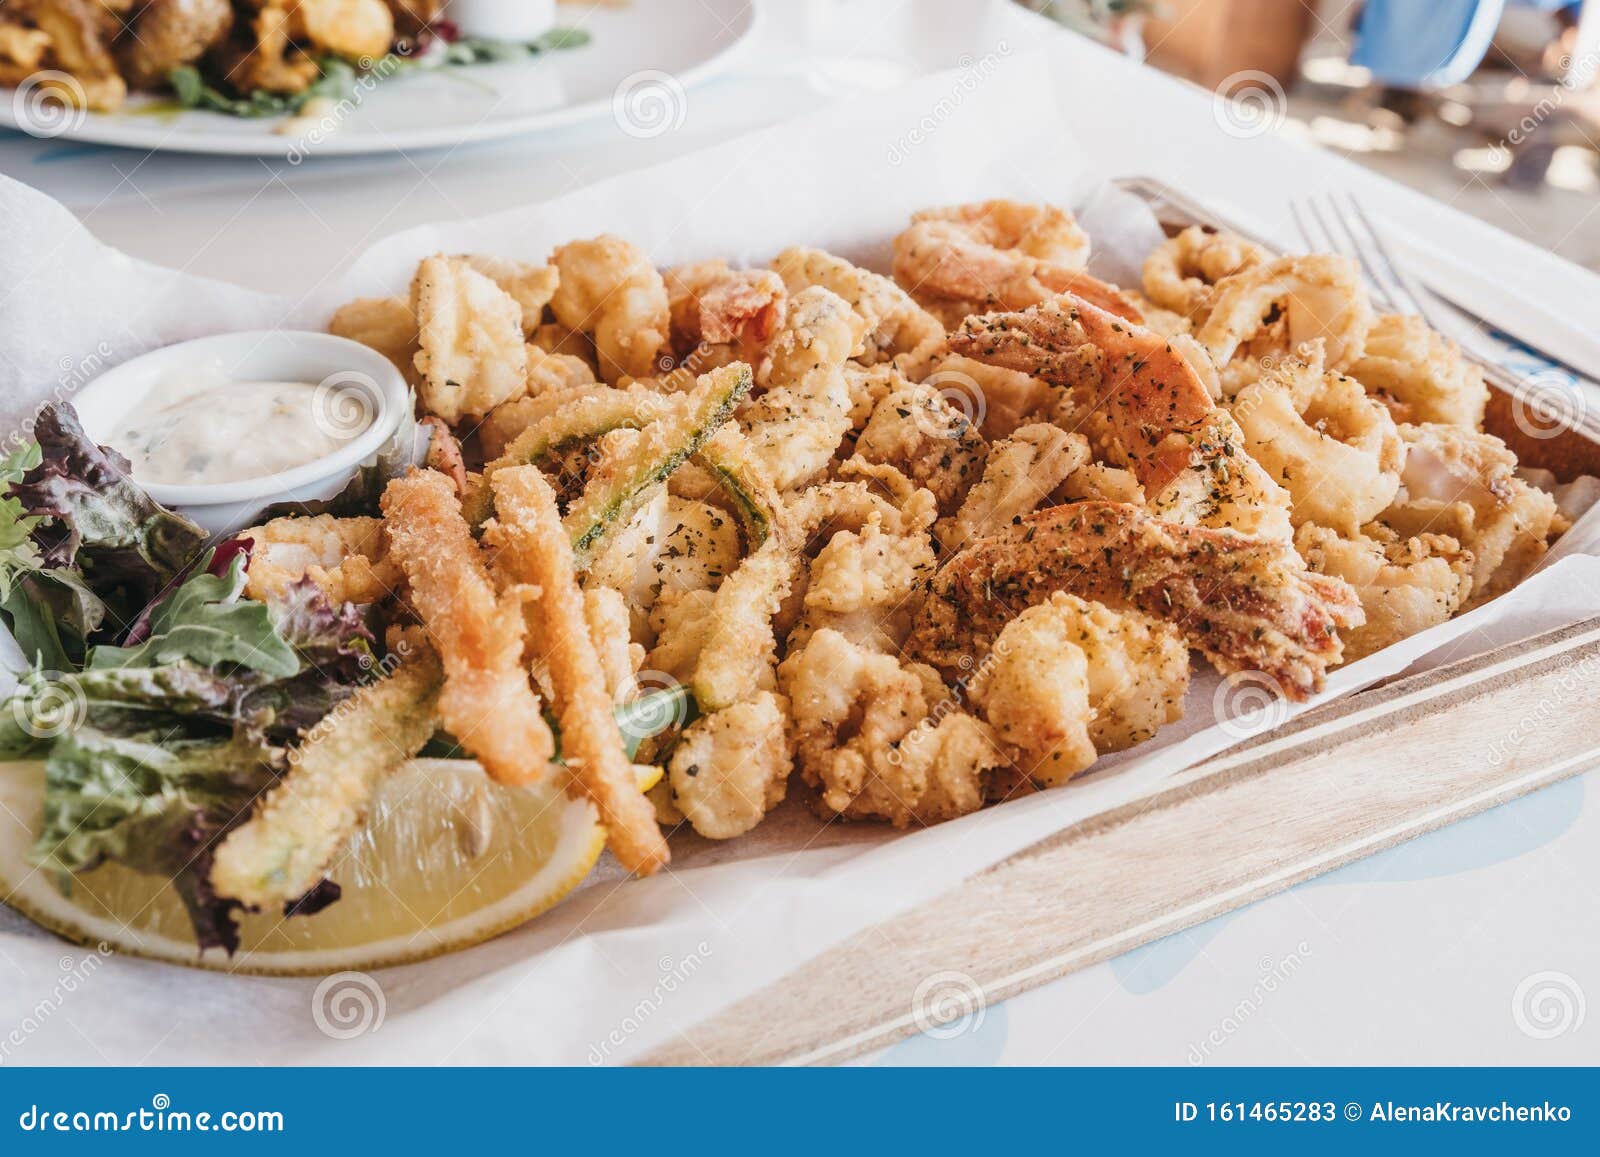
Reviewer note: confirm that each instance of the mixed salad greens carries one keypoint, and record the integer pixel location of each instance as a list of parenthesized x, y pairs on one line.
[(161, 701)]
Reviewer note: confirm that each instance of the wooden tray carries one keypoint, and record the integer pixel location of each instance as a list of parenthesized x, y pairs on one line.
[(1321, 791), (1325, 789)]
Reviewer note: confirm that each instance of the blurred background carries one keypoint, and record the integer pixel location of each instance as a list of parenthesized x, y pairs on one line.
[(1487, 105)]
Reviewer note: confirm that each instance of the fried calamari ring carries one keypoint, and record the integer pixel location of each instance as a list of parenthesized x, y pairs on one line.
[(1181, 274), (1296, 300), (1421, 373), (1339, 457), (971, 259)]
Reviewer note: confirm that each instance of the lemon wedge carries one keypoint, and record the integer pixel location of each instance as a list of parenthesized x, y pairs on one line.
[(447, 858)]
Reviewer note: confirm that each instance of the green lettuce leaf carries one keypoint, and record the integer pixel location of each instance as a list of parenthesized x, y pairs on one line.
[(204, 621), (155, 803), (92, 514), (50, 612)]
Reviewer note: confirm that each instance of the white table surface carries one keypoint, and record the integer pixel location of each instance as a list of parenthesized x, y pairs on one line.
[(1474, 944)]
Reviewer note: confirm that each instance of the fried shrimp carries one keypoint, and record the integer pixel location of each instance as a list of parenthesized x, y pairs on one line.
[(609, 289), (1286, 303), (1247, 604), (487, 702), (1070, 680), (969, 259), (471, 355), (714, 304), (1187, 453), (1405, 585), (531, 549), (347, 557), (898, 329), (1181, 274), (1421, 374)]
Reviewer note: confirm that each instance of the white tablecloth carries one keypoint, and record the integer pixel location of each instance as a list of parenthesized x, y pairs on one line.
[(1453, 948)]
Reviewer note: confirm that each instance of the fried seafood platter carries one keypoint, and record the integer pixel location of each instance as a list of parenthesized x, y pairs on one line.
[(691, 541)]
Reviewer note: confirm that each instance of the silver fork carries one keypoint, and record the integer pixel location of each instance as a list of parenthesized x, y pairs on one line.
[(1331, 225)]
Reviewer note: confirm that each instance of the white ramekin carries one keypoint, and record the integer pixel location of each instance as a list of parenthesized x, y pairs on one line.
[(502, 19), (353, 379)]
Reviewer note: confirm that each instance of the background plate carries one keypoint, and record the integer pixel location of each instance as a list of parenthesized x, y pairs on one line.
[(639, 61)]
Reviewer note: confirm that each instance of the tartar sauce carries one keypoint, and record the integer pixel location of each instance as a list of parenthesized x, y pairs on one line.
[(192, 432)]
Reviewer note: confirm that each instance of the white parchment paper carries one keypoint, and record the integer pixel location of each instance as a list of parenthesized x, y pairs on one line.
[(624, 966)]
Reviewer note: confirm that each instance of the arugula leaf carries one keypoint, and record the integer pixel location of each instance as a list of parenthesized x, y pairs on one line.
[(337, 82)]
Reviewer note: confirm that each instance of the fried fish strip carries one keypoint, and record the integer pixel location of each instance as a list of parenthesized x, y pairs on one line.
[(487, 702), (285, 848), (532, 548)]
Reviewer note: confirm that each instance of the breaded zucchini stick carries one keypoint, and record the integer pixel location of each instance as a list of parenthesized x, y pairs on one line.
[(284, 849), (531, 547), (487, 703)]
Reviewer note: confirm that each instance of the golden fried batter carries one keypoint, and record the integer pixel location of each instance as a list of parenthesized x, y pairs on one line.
[(487, 703)]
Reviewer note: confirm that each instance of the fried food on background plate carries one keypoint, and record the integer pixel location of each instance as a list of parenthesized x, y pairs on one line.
[(78, 47), (168, 34)]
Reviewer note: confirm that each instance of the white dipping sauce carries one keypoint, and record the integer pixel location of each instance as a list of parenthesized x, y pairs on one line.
[(196, 431)]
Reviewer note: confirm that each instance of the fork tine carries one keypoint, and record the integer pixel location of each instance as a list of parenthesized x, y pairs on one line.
[(1349, 245), (1375, 260), (1300, 223), (1411, 291)]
